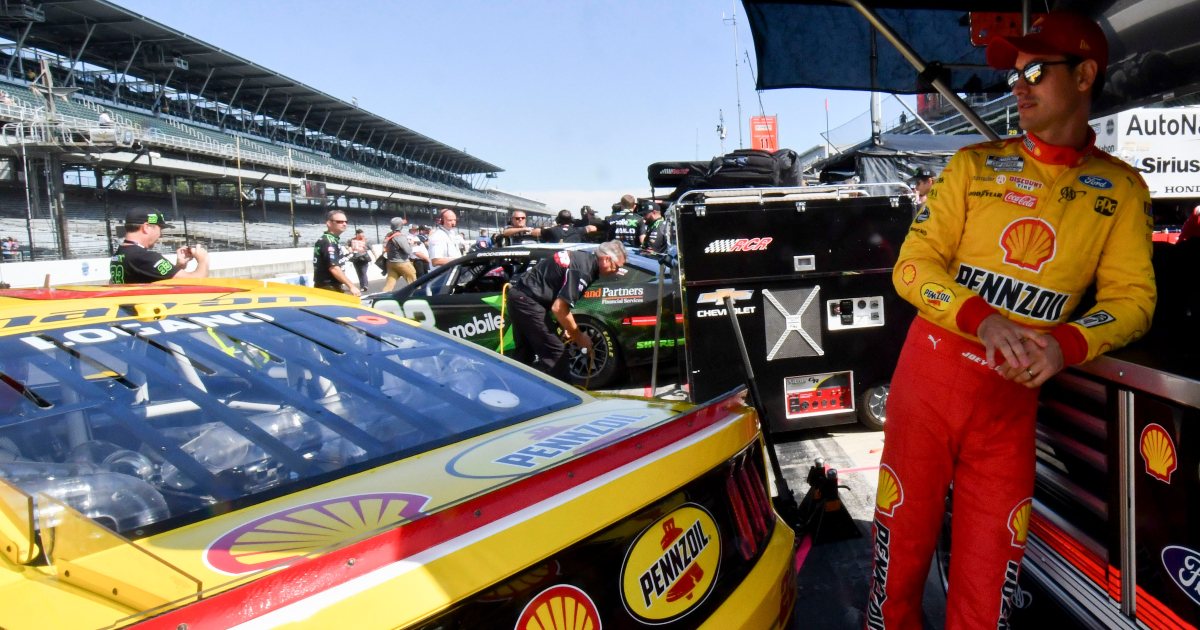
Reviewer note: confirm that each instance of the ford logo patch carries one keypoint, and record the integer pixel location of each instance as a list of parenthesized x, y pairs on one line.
[(1095, 181), (1183, 565)]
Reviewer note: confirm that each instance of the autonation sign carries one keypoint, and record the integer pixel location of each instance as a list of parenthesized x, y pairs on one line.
[(1163, 144)]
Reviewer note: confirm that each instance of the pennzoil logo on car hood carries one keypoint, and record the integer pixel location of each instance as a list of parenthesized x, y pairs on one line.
[(671, 566)]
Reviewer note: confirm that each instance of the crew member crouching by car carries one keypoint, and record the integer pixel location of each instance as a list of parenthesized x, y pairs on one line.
[(134, 261), (552, 286)]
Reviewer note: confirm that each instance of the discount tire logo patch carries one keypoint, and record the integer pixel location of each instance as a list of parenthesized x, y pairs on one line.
[(671, 566)]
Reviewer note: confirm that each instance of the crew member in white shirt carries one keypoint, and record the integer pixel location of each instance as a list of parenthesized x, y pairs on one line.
[(444, 245)]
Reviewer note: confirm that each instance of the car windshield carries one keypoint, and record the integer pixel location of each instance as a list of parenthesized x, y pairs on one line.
[(147, 425)]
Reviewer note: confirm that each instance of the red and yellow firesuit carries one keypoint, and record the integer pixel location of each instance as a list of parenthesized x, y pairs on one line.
[(1020, 228)]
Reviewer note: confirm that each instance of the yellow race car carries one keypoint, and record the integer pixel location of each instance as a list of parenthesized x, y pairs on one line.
[(232, 453)]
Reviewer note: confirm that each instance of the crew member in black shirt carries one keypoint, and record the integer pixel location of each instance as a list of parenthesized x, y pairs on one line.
[(327, 256), (565, 230), (552, 286), (587, 218), (656, 231), (625, 226), (134, 261), (518, 231)]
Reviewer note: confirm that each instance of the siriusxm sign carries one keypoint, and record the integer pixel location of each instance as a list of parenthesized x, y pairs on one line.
[(1095, 181), (1183, 565)]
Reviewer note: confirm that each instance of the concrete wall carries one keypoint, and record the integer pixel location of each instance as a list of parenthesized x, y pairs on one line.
[(253, 264)]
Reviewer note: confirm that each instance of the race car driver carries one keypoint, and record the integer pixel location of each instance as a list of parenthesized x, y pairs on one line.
[(1014, 233), (552, 286)]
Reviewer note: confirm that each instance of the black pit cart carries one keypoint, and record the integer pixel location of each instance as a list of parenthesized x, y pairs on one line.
[(809, 271)]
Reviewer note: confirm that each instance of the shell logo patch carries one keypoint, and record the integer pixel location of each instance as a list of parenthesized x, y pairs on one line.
[(908, 274), (890, 494), (303, 529), (671, 566), (1028, 243), (936, 296), (1018, 522), (1158, 450), (561, 607)]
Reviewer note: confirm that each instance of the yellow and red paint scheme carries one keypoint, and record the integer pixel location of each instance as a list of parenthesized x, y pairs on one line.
[(398, 544)]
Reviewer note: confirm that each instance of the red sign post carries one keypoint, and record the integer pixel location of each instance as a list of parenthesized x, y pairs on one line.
[(764, 133)]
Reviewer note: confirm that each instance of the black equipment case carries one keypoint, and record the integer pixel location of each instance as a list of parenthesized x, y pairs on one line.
[(809, 270)]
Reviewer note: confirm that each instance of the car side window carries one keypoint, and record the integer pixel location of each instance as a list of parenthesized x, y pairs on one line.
[(443, 284)]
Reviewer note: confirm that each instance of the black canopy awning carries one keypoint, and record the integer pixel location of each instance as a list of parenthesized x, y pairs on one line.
[(893, 157), (1154, 46)]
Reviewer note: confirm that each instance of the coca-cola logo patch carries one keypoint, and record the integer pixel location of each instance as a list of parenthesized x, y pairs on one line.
[(1025, 201)]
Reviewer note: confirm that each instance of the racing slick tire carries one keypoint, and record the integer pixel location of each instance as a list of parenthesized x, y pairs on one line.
[(606, 363), (872, 407)]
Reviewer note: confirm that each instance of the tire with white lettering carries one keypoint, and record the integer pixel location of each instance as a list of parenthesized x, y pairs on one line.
[(605, 362), (872, 407)]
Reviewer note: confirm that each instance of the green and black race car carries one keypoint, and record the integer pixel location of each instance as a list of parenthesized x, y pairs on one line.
[(617, 312)]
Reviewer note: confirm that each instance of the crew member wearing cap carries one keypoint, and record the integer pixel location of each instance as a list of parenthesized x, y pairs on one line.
[(1014, 232), (922, 182), (656, 231), (136, 263)]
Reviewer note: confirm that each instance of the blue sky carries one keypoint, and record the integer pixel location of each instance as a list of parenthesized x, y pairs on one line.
[(573, 99)]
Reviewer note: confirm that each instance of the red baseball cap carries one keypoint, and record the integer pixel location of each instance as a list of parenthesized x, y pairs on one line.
[(1055, 33)]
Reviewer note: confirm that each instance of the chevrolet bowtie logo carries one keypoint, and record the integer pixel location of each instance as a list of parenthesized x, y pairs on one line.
[(718, 296)]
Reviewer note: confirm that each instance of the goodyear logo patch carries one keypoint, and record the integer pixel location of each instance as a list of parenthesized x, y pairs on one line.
[(923, 215), (1018, 297), (671, 566), (300, 530), (1158, 451), (1018, 522), (561, 607), (936, 296), (527, 449)]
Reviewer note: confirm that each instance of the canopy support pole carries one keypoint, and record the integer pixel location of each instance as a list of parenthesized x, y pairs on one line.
[(919, 63)]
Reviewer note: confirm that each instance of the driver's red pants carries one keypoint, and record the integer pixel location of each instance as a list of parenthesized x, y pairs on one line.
[(951, 419)]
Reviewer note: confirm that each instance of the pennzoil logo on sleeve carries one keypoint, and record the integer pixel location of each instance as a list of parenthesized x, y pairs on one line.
[(879, 575), (671, 566), (561, 607), (938, 297)]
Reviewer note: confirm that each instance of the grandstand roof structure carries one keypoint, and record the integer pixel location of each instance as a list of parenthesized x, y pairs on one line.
[(107, 35)]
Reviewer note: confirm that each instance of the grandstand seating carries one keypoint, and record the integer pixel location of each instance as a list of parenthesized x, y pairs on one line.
[(180, 134), (214, 223)]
